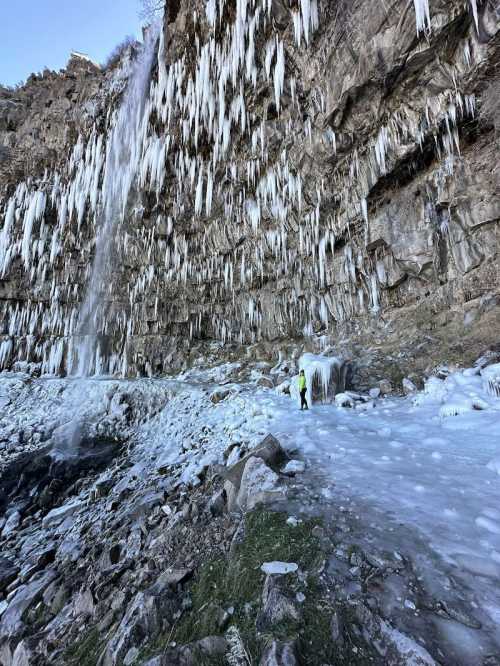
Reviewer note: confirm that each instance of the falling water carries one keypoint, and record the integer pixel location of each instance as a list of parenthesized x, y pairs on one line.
[(124, 149), (123, 152)]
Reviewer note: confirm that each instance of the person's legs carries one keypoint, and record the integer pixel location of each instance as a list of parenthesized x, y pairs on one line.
[(303, 401)]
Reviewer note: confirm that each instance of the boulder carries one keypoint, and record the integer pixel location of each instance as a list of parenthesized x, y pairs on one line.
[(219, 395), (24, 598), (206, 650), (269, 450), (248, 483), (170, 578), (385, 387), (57, 515), (8, 573), (23, 656), (278, 604), (217, 503), (259, 484), (409, 387), (11, 524), (397, 648), (336, 627), (144, 618), (280, 653)]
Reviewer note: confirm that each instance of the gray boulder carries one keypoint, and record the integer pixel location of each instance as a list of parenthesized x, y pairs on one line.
[(24, 598), (278, 604), (280, 653), (259, 485), (209, 648), (11, 524), (143, 620), (8, 573)]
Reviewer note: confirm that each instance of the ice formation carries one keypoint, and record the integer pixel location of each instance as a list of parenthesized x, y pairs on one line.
[(321, 375), (191, 138), (491, 379), (124, 150), (423, 16)]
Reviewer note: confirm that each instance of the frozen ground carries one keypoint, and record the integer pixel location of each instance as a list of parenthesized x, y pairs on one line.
[(429, 462), (416, 462)]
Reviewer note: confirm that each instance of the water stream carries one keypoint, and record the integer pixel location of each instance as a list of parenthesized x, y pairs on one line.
[(124, 150)]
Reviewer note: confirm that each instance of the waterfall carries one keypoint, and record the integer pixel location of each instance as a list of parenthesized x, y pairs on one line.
[(124, 150)]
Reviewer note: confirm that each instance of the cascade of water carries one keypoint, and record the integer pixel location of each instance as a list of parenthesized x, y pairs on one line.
[(124, 149)]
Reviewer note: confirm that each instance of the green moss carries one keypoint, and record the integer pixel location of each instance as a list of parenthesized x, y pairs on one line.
[(85, 652), (238, 581)]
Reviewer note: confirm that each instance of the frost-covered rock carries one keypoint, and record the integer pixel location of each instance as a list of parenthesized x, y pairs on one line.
[(265, 382), (344, 400), (294, 467), (219, 395), (408, 386), (279, 568), (11, 524), (385, 387), (491, 379), (258, 484), (284, 388)]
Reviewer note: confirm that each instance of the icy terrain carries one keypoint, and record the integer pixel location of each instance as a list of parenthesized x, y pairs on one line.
[(429, 461)]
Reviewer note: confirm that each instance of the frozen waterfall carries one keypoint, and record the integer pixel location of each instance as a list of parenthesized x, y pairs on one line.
[(124, 151)]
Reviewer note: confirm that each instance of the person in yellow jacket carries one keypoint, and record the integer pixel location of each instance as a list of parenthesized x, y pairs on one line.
[(303, 390)]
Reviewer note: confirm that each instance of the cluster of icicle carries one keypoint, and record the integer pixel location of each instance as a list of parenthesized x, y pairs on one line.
[(100, 176), (423, 15), (323, 377), (195, 142)]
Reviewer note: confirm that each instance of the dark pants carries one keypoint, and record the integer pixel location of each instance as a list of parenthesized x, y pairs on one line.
[(303, 401)]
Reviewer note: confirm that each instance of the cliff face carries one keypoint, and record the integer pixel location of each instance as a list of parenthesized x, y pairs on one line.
[(299, 169)]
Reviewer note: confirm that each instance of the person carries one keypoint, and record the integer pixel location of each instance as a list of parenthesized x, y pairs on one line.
[(303, 390)]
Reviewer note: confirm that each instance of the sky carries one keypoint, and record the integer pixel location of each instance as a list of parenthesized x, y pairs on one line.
[(35, 34)]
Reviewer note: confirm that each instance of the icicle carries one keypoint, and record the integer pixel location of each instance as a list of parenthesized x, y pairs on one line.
[(211, 12), (473, 4), (279, 73), (423, 16)]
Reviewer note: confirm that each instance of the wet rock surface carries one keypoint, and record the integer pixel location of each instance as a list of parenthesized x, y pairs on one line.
[(39, 480)]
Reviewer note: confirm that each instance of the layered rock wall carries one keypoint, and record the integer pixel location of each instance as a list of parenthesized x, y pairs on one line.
[(306, 169)]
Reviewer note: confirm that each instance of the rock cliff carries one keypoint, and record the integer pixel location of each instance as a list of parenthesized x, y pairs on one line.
[(314, 170)]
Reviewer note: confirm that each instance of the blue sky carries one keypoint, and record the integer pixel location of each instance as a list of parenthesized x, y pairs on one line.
[(39, 33)]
